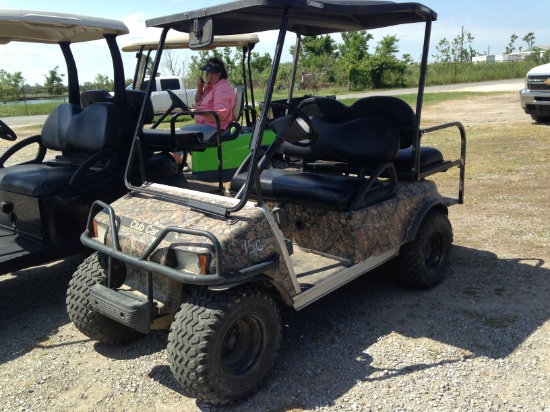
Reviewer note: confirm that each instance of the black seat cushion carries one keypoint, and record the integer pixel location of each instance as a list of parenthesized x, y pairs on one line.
[(429, 156), (78, 134), (158, 139), (334, 192), (36, 180), (186, 138), (393, 109)]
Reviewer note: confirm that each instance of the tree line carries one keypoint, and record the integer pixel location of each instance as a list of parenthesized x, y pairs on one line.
[(322, 63)]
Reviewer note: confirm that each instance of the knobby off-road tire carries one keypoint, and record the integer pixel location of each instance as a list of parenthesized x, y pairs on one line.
[(421, 263), (94, 325), (222, 345)]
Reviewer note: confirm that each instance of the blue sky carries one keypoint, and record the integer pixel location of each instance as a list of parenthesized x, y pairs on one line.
[(490, 22)]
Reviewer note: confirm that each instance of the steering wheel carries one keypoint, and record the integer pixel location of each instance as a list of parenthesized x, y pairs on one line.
[(292, 128), (6, 133), (176, 101)]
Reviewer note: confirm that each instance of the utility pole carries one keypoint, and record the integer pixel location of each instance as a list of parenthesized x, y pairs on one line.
[(462, 44)]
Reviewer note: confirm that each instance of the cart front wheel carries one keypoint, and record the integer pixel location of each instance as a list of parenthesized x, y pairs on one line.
[(222, 345), (91, 323)]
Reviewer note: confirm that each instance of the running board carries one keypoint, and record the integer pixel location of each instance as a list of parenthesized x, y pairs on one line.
[(340, 278), (125, 309)]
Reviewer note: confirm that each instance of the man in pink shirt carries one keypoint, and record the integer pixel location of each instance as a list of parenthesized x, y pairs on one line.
[(214, 93)]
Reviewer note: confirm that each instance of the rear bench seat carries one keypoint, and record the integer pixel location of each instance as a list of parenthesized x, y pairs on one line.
[(348, 139), (400, 113)]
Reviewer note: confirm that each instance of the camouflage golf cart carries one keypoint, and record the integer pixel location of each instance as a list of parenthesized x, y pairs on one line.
[(354, 193), (45, 202)]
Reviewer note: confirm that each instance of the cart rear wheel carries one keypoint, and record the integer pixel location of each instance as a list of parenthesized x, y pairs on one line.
[(421, 263), (222, 345)]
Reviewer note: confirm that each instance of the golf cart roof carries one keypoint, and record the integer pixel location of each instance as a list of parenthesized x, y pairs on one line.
[(309, 17), (52, 27), (181, 41)]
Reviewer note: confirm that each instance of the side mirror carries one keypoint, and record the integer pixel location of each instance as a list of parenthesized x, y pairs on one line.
[(200, 34)]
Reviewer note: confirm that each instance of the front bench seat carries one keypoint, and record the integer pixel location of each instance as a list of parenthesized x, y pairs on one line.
[(189, 140), (87, 140)]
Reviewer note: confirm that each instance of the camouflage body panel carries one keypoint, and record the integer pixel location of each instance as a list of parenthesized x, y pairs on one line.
[(360, 234), (247, 238)]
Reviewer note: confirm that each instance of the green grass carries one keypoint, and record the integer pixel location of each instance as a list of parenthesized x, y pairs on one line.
[(26, 109), (429, 98)]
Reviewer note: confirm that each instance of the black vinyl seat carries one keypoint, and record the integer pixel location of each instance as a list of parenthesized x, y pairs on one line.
[(49, 199), (189, 140), (87, 140), (399, 112), (333, 174)]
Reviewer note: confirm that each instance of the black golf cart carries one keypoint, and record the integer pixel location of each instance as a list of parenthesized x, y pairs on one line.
[(355, 193), (45, 202)]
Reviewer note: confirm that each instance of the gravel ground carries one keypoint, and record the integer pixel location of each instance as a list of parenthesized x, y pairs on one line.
[(480, 341)]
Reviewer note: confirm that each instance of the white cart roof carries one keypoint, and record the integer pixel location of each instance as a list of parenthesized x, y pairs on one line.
[(51, 27), (181, 41)]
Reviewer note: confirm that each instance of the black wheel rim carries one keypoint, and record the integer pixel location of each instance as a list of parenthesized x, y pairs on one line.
[(435, 252), (242, 345)]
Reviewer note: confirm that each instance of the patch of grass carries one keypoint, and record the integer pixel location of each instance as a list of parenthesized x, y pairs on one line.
[(499, 291), (431, 98), (500, 322), (497, 321), (165, 124), (26, 110), (470, 291)]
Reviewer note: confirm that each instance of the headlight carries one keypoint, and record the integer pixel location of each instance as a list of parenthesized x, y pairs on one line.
[(100, 231), (193, 262)]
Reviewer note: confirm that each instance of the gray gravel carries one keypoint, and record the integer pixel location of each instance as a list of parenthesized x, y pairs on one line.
[(478, 342)]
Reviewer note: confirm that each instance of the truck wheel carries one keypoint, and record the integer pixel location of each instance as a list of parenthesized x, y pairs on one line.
[(222, 345), (540, 119), (94, 325), (421, 263)]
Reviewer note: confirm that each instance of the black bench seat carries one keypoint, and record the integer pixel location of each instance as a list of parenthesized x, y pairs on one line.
[(347, 140), (183, 139), (325, 191)]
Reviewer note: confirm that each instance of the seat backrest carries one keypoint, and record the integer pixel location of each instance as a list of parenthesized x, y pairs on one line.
[(239, 103), (134, 101), (394, 109), (69, 128), (346, 135), (89, 97)]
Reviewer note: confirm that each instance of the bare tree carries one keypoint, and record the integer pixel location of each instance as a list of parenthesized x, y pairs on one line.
[(171, 62)]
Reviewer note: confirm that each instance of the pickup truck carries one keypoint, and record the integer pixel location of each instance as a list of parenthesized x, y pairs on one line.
[(535, 97), (161, 99)]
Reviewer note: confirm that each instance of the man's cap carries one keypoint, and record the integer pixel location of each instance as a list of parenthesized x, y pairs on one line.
[(212, 68)]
